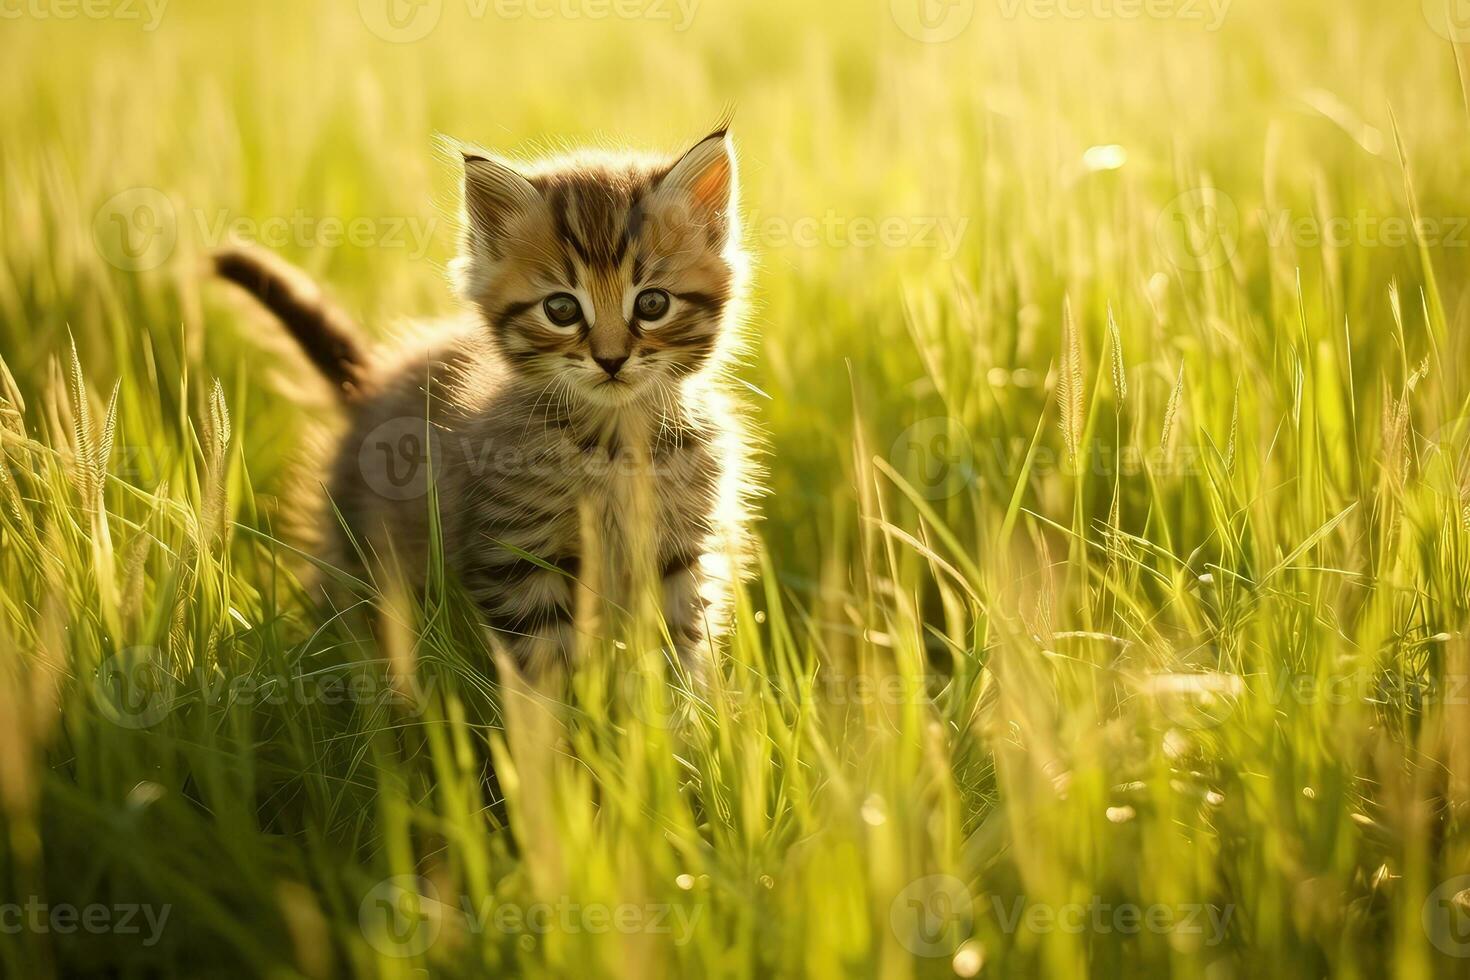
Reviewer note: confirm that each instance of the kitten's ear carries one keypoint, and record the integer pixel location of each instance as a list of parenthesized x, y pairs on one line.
[(704, 179), (495, 195)]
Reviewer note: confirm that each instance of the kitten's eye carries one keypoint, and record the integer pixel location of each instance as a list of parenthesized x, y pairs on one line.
[(651, 305), (563, 309)]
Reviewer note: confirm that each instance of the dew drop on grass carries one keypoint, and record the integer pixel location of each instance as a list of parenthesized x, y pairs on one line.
[(685, 882), (969, 959), (1111, 157), (1158, 287), (144, 794)]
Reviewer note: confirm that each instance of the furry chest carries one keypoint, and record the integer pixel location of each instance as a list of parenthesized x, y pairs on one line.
[(642, 507)]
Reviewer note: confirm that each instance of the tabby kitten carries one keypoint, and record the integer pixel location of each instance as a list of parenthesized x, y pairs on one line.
[(575, 430)]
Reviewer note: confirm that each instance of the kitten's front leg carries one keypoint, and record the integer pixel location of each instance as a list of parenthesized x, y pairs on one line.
[(545, 649), (695, 605), (528, 608)]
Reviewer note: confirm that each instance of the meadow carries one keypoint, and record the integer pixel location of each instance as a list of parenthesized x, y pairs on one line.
[(1113, 585)]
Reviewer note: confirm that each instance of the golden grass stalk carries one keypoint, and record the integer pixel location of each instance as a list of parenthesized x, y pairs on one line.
[(1071, 387)]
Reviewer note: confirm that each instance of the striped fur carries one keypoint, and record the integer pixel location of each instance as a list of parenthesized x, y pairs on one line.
[(569, 498)]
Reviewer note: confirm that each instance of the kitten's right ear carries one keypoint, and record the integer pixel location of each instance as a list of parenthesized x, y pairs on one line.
[(495, 195), (704, 181)]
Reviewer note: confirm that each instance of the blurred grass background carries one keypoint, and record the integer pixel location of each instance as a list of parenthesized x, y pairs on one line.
[(1159, 604)]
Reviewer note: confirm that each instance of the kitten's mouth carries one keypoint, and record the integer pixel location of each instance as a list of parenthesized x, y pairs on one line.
[(613, 391), (618, 387)]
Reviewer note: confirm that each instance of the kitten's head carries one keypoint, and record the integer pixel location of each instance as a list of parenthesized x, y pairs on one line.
[(607, 276)]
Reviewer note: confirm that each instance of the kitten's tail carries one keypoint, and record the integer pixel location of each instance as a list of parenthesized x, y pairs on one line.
[(325, 332)]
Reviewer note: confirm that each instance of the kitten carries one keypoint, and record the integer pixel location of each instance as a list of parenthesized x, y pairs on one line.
[(576, 430)]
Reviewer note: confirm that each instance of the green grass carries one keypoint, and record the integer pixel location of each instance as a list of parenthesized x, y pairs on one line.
[(1053, 619)]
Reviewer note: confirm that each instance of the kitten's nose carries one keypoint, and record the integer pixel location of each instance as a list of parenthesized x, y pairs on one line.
[(611, 364)]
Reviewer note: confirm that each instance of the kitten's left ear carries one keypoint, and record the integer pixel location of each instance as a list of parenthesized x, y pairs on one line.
[(704, 179)]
